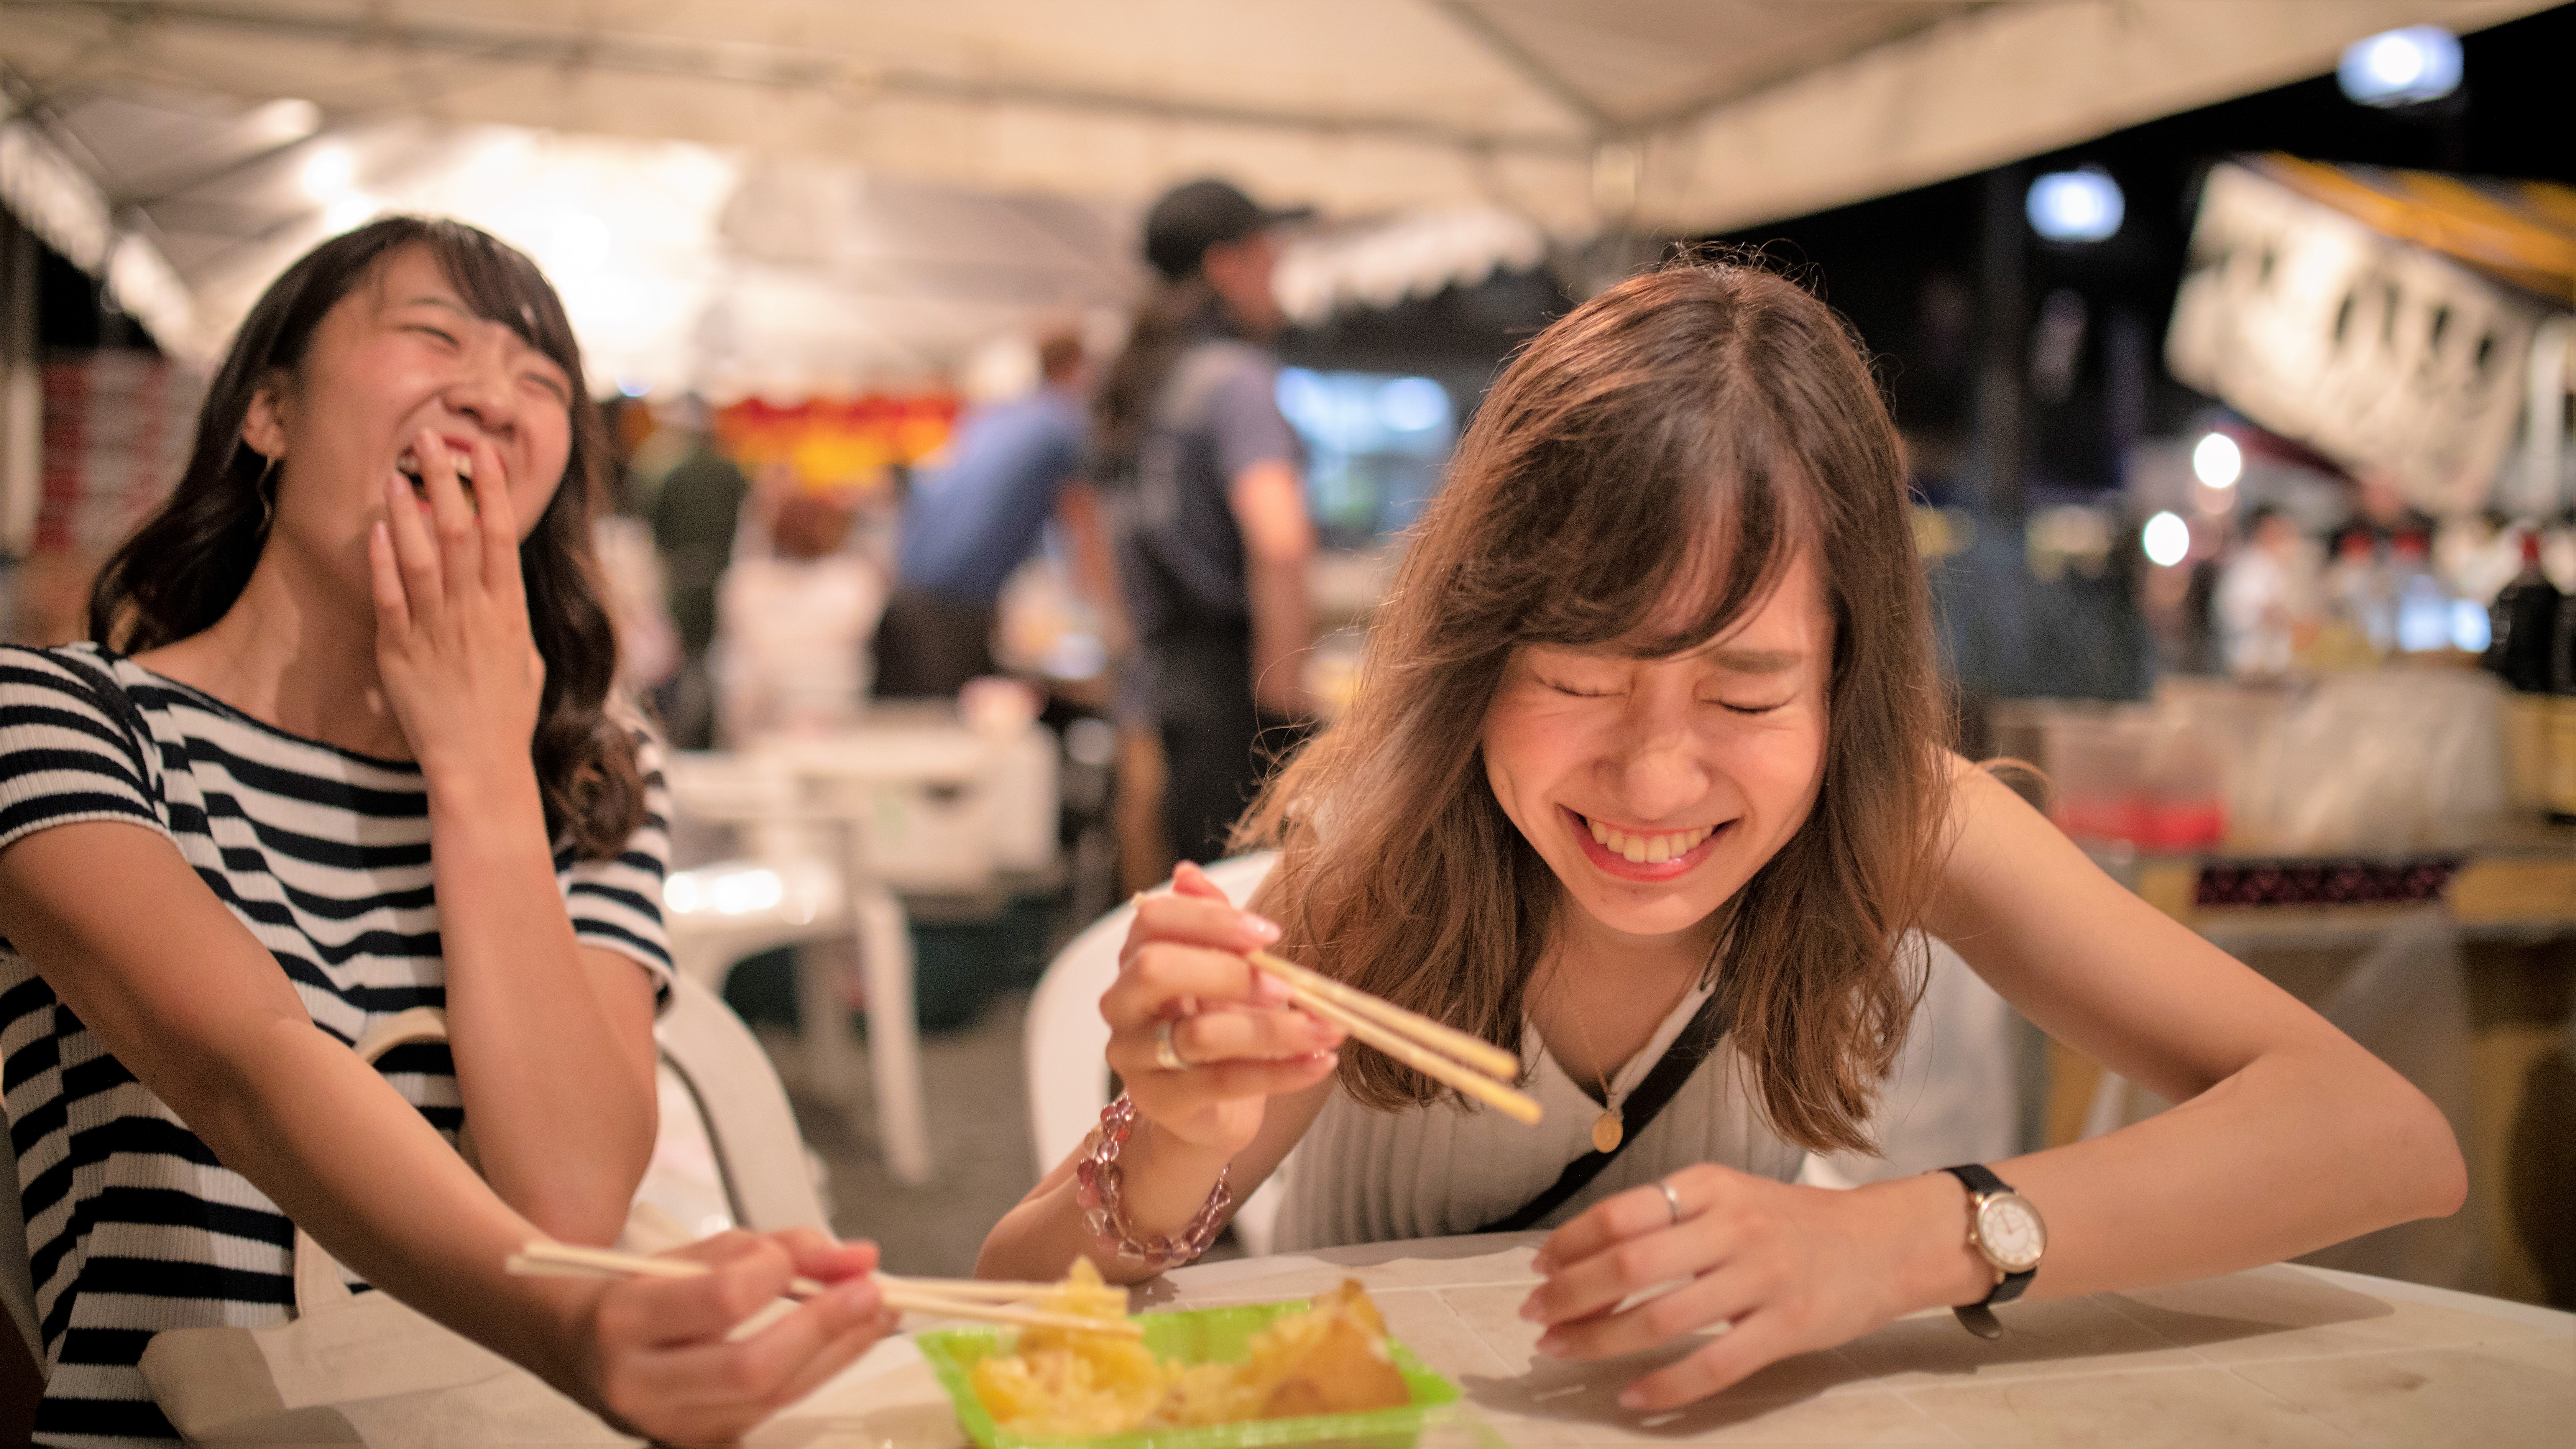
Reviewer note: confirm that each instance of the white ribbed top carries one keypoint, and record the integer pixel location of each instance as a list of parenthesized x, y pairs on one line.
[(1361, 1176)]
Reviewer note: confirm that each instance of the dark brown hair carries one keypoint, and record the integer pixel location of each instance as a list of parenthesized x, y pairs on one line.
[(1681, 436), (189, 561), (1176, 315)]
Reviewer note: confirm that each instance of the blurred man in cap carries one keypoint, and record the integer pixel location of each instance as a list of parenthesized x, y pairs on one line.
[(1204, 480)]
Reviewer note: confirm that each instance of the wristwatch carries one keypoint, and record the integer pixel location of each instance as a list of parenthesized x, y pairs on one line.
[(2006, 1231)]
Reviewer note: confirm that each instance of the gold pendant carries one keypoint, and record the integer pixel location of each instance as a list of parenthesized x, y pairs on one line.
[(1607, 1129)]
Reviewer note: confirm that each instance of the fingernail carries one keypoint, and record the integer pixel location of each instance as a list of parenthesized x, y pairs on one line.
[(1550, 1345), (1632, 1399), (1260, 929), (1270, 989), (1531, 1311)]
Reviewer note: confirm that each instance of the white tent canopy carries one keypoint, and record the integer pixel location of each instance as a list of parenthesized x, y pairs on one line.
[(733, 186)]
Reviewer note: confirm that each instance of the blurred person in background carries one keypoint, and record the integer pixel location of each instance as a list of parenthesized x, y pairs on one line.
[(976, 514), (2255, 612), (693, 506), (794, 618), (1203, 477)]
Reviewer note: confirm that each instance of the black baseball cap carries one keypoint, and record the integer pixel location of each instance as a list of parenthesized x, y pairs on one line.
[(1190, 219)]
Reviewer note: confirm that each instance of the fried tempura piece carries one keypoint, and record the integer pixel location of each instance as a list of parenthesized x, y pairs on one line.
[(1064, 1382), (1330, 1359)]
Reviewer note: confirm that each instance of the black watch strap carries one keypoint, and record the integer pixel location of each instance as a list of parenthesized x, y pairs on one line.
[(1978, 1317)]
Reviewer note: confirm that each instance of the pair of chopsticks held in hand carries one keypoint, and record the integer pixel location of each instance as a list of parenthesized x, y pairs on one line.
[(1445, 1054), (985, 1301)]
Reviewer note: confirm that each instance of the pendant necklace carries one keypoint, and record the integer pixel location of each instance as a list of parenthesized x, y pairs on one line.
[(1611, 1126)]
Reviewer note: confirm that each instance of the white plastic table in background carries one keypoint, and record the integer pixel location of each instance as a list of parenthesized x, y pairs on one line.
[(2280, 1356)]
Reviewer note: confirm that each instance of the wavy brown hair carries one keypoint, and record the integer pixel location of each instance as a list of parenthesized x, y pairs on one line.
[(189, 561), (1681, 436)]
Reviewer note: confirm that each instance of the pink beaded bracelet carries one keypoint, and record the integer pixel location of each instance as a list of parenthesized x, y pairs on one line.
[(1103, 1213)]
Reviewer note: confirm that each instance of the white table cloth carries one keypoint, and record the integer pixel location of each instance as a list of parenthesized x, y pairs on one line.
[(2277, 1356)]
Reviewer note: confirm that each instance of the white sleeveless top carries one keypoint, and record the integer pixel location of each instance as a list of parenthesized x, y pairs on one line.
[(1364, 1176)]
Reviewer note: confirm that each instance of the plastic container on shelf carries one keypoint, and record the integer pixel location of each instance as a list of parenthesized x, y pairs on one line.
[(2138, 774)]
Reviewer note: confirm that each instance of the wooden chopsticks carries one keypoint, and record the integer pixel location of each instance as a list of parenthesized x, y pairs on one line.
[(987, 1302), (1443, 1053)]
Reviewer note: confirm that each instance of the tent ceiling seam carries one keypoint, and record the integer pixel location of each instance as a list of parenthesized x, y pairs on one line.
[(1681, 116), (1488, 33)]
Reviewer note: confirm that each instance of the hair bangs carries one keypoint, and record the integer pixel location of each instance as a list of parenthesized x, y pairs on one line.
[(502, 284), (1682, 557)]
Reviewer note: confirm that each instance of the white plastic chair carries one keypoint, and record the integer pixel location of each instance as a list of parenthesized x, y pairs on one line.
[(1063, 1044), (767, 1176), (804, 881)]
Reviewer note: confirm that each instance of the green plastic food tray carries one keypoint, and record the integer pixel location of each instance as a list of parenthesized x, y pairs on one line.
[(1203, 1335)]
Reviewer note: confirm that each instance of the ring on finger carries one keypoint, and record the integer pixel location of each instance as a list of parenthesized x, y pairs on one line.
[(1166, 1055), (1672, 1199)]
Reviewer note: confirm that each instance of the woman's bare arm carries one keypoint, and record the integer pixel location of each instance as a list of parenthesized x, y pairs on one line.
[(1269, 507), (553, 1040), (2288, 1135), (553, 1043), (1245, 1047), (194, 1006), (200, 1013)]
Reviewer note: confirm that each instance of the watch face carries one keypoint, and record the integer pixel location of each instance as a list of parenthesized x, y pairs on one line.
[(2009, 1230)]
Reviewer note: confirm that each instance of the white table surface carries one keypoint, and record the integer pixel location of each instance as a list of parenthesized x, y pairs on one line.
[(2276, 1356)]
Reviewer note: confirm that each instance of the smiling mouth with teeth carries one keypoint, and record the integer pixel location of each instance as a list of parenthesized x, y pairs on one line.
[(408, 465), (1639, 848)]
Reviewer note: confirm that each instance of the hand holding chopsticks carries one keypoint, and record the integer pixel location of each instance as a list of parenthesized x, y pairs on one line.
[(988, 1302), (1443, 1053)]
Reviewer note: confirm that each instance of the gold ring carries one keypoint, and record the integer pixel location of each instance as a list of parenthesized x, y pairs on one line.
[(1166, 1055)]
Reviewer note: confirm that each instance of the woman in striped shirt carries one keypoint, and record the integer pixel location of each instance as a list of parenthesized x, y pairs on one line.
[(345, 736)]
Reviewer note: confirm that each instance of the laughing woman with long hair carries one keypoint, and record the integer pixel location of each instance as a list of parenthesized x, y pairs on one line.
[(343, 745), (1644, 780)]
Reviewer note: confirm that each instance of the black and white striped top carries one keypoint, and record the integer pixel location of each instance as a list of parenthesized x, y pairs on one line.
[(132, 1226)]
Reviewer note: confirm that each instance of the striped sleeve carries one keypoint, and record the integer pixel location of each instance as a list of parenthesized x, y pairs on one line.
[(64, 756), (617, 903)]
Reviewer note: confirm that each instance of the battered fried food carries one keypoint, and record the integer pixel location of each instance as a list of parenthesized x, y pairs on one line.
[(1330, 1359)]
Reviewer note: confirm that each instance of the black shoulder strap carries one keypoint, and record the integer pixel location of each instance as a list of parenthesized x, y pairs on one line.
[(1661, 1085)]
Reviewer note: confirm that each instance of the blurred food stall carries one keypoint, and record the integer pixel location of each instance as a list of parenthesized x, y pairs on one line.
[(2369, 795)]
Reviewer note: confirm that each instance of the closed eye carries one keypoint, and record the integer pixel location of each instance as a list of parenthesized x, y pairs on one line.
[(1577, 693), (1749, 708), (442, 334)]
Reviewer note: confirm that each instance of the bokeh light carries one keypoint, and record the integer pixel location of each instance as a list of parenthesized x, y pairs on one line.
[(2167, 539), (2076, 206), (2401, 67), (2217, 461)]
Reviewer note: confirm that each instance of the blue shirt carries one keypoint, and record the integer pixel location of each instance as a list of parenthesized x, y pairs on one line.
[(973, 518)]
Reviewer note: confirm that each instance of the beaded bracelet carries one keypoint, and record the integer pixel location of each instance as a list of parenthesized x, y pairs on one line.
[(1104, 1214)]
